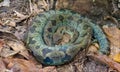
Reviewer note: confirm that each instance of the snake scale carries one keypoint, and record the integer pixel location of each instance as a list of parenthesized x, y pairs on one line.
[(56, 36)]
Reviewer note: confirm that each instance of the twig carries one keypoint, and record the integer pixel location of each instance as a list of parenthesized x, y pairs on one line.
[(22, 19), (46, 5), (31, 9), (105, 59)]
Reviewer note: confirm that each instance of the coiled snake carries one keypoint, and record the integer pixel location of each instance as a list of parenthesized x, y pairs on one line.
[(56, 36)]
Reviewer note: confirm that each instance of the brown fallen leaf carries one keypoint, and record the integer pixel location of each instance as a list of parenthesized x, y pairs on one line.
[(48, 69), (19, 48), (79, 66), (21, 65), (1, 22), (1, 44), (20, 33), (117, 57), (2, 66), (7, 52), (93, 48), (37, 6), (81, 6), (12, 24), (66, 68), (9, 23), (19, 14), (44, 4), (103, 58), (12, 42), (113, 35)]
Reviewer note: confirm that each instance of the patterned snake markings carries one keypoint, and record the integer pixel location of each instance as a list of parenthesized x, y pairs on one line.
[(56, 36)]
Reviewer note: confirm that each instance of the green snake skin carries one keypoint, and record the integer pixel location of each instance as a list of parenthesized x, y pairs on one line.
[(56, 36)]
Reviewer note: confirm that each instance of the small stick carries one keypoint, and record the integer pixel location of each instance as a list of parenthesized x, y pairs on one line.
[(105, 59)]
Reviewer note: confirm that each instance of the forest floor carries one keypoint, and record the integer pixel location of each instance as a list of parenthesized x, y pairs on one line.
[(16, 16)]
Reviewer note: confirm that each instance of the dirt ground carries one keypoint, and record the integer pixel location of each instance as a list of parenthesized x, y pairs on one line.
[(16, 17)]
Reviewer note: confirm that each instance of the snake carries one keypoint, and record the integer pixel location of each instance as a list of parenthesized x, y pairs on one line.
[(56, 36)]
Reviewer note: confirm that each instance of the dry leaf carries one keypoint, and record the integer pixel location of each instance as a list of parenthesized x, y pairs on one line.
[(21, 65), (36, 10), (44, 4), (81, 6), (113, 35), (105, 59), (20, 33), (93, 48), (19, 47), (1, 22), (117, 57), (1, 44), (19, 14), (66, 68), (12, 42), (12, 23), (9, 23), (79, 66), (48, 69), (2, 66), (6, 52)]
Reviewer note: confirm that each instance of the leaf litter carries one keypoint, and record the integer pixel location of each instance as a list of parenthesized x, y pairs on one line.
[(15, 56)]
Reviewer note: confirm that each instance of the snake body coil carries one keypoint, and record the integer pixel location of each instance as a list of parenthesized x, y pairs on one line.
[(56, 36)]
